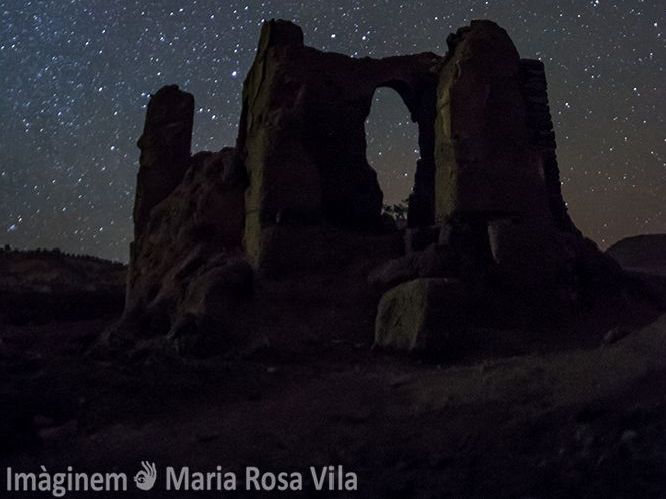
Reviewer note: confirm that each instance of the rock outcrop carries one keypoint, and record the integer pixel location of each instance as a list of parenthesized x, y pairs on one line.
[(302, 137), (187, 270), (165, 150), (425, 315), (487, 225), (485, 164)]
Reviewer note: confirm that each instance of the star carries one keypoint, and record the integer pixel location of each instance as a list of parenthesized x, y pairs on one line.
[(77, 77)]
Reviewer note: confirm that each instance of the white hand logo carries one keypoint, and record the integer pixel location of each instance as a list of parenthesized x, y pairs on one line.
[(145, 479)]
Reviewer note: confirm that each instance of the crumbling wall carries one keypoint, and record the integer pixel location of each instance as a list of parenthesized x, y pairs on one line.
[(165, 150), (489, 228), (302, 136), (187, 271), (484, 162)]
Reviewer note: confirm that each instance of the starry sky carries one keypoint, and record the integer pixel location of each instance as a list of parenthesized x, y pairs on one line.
[(76, 76)]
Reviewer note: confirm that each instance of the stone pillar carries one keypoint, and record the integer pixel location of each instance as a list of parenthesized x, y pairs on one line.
[(484, 162), (302, 141), (165, 150), (165, 156), (283, 181)]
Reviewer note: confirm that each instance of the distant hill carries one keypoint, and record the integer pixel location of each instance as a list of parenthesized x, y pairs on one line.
[(43, 285), (646, 253)]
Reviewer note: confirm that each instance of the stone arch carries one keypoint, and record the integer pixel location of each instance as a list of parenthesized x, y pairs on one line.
[(402, 88), (418, 93), (388, 109), (302, 138)]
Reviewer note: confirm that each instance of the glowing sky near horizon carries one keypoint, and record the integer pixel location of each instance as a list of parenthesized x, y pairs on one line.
[(76, 76)]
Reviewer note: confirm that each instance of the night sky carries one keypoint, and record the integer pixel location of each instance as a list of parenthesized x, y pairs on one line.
[(76, 76)]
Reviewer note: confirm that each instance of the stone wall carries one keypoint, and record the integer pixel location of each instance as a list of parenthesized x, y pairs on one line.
[(187, 269), (165, 150), (484, 163), (488, 224), (302, 136)]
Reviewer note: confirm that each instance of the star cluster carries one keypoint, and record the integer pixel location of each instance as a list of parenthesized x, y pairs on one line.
[(77, 74)]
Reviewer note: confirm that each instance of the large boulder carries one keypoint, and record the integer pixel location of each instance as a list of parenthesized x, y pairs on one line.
[(425, 315)]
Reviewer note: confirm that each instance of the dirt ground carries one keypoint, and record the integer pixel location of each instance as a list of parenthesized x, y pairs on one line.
[(552, 418)]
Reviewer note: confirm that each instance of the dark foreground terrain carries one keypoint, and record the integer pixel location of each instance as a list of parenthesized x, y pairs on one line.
[(43, 286), (570, 416)]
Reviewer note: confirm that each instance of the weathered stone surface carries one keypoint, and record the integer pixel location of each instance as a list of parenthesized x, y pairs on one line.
[(484, 162), (206, 316), (534, 258), (302, 133), (554, 272), (187, 271), (423, 314), (419, 238), (316, 248), (165, 150), (296, 196), (434, 261)]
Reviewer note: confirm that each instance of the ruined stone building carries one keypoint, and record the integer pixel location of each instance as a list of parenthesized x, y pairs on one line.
[(487, 225)]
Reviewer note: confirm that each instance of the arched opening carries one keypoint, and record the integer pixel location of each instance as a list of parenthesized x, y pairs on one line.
[(392, 146)]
